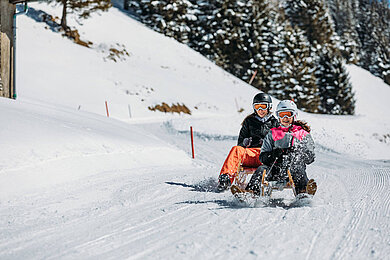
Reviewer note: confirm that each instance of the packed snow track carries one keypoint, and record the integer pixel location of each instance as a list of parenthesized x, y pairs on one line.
[(172, 213)]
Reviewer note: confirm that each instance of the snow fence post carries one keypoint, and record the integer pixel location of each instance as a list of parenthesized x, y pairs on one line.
[(108, 115), (129, 110), (235, 99), (192, 143)]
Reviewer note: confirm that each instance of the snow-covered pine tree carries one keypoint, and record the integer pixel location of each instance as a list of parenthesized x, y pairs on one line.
[(383, 36), (374, 34), (344, 23), (297, 80), (148, 12), (364, 25), (230, 30), (203, 36), (269, 42), (200, 33), (312, 17), (334, 86), (174, 18), (367, 35), (264, 43), (234, 31)]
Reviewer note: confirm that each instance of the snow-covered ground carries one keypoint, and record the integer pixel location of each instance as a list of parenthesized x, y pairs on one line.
[(76, 184)]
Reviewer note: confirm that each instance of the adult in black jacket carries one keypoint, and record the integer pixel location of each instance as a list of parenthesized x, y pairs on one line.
[(254, 128)]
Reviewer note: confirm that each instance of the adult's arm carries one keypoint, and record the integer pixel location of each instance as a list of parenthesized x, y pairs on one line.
[(244, 133)]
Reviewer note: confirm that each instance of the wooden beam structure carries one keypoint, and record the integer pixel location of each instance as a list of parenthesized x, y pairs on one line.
[(19, 1), (7, 11), (7, 59)]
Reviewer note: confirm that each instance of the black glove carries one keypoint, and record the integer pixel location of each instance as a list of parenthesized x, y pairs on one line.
[(308, 157), (277, 153), (247, 142)]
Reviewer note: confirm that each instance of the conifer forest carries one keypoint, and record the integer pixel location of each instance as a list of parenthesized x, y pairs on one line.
[(297, 48)]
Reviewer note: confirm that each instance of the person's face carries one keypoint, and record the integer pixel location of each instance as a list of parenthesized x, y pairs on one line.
[(286, 117), (262, 113), (261, 109), (285, 121)]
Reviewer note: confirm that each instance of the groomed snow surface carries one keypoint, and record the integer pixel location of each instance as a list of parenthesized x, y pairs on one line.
[(75, 184)]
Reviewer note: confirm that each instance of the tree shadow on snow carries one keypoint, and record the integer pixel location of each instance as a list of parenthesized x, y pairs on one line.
[(42, 17)]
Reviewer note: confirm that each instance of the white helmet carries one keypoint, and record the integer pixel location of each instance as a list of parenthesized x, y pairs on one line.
[(287, 105)]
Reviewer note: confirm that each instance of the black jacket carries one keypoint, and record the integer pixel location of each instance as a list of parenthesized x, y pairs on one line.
[(253, 127)]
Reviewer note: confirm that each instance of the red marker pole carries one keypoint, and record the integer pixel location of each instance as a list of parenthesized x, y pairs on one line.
[(192, 143), (108, 115)]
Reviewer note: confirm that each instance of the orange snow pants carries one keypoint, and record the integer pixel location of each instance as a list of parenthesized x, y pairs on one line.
[(249, 157)]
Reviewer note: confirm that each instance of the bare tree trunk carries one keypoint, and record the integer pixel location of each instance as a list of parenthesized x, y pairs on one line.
[(126, 4), (63, 19)]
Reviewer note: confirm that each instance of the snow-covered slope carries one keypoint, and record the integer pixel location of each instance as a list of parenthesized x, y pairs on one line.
[(158, 69), (158, 66), (75, 184), (43, 145)]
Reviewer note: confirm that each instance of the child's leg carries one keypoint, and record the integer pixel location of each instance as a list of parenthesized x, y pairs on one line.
[(300, 180), (255, 181)]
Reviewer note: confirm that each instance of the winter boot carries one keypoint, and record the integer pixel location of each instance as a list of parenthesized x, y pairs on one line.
[(224, 182), (311, 187), (254, 184)]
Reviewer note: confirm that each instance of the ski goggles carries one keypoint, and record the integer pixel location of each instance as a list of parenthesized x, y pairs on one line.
[(288, 114), (260, 106)]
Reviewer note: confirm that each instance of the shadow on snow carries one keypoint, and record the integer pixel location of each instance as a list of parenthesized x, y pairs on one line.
[(210, 185), (254, 203), (207, 185)]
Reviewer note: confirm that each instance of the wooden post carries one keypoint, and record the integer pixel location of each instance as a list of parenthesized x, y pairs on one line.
[(192, 143), (7, 12), (238, 109), (253, 77)]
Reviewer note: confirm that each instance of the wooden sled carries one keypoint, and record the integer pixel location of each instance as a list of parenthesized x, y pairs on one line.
[(244, 174), (268, 186), (241, 178)]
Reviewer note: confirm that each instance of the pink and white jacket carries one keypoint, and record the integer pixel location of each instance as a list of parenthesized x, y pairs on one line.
[(286, 137)]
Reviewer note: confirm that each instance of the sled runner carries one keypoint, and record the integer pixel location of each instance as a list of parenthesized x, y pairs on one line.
[(242, 176), (267, 186), (268, 183), (241, 179)]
